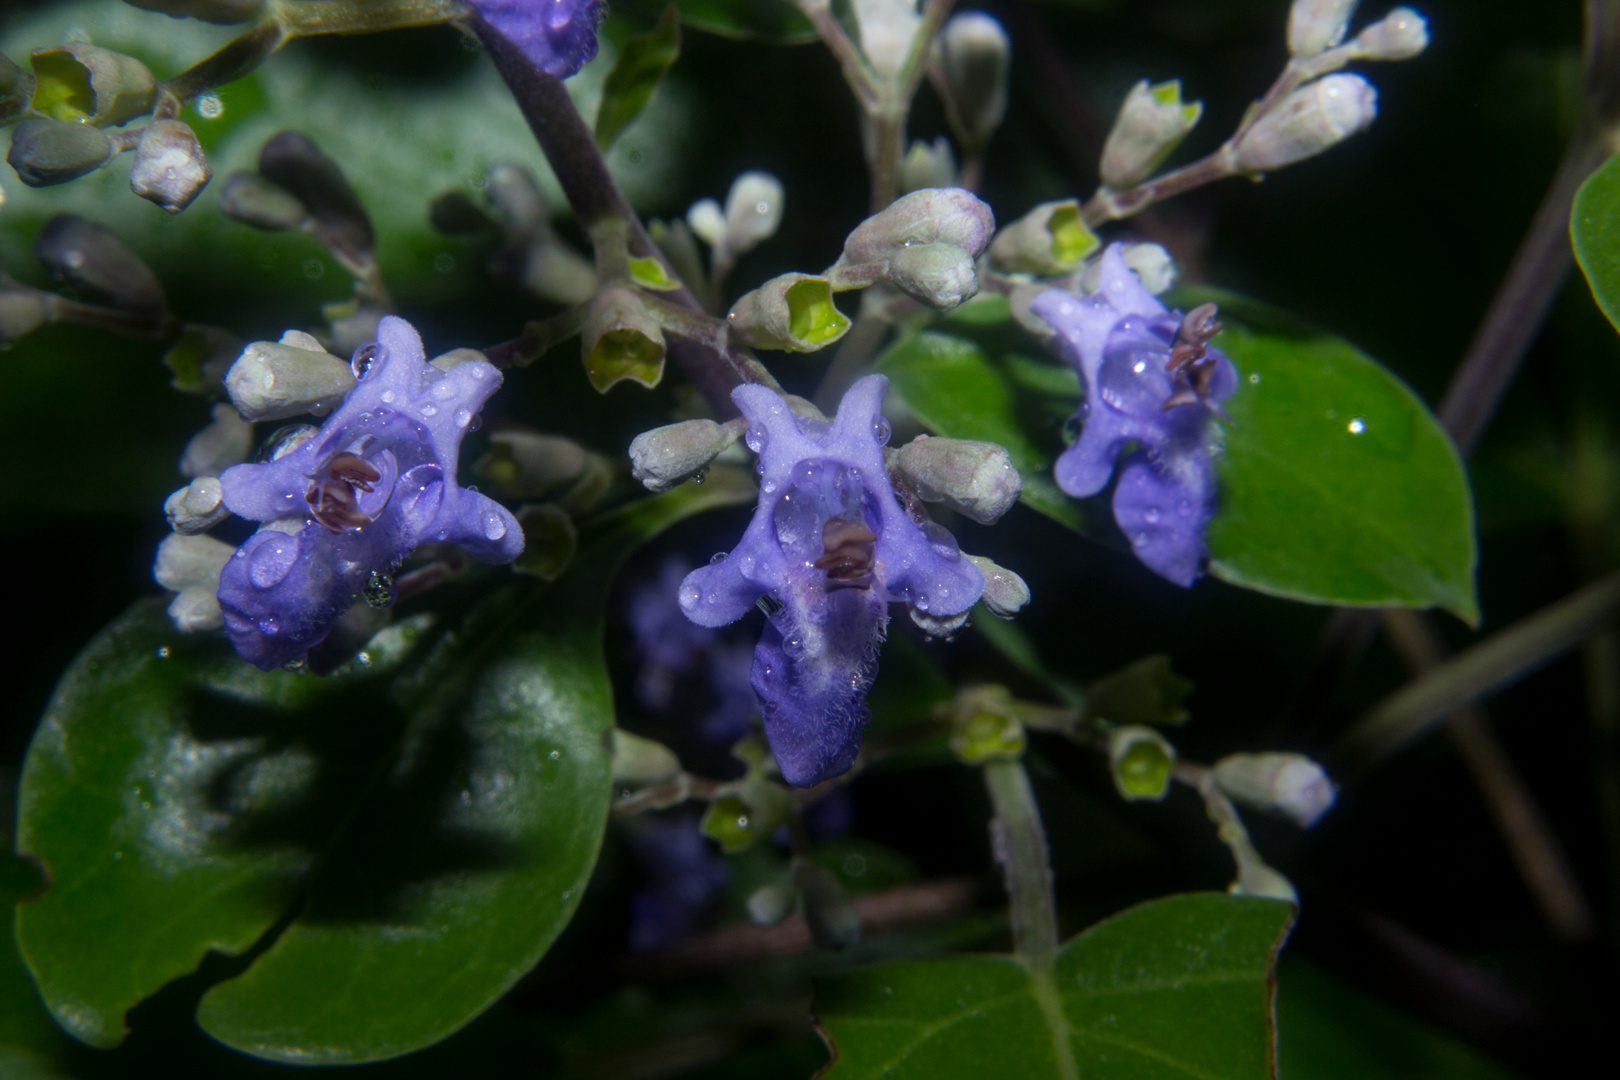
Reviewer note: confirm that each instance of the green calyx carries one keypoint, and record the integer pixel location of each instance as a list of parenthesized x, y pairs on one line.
[(624, 353), (812, 316), (649, 274), (1142, 762), (1071, 239), (986, 736), (84, 84)]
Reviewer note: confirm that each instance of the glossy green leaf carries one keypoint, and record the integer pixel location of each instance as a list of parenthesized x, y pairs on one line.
[(954, 388), (431, 815), (1594, 226), (30, 1044), (643, 62), (1337, 485), (1176, 988)]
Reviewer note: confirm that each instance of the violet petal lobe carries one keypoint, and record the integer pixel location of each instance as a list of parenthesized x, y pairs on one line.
[(831, 544), (357, 497), (1120, 341), (558, 36)]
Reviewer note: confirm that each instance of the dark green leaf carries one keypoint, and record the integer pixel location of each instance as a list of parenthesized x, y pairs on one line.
[(1337, 485), (643, 62), (1147, 691), (432, 815), (953, 388), (1594, 226), (1179, 987), (30, 1044), (774, 21)]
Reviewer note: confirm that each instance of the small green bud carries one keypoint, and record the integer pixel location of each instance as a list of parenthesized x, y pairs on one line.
[(75, 249), (638, 760), (665, 457), (794, 312), (973, 54), (973, 478), (1151, 124), (550, 541), (928, 165), (46, 152), (251, 199), (941, 276), (197, 507), (296, 375), (622, 340), (223, 12), (1317, 25), (82, 83), (833, 921), (747, 813), (22, 311), (527, 465), (981, 736), (170, 167), (1141, 760), (1053, 238), (1310, 120), (1005, 593)]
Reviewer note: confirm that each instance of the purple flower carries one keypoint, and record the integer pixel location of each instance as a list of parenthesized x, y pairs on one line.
[(1150, 379), (673, 647), (558, 36), (831, 546), (343, 507), (685, 877)]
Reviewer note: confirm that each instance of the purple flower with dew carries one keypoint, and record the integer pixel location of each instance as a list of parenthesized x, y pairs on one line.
[(1151, 379), (341, 509), (558, 36), (673, 647), (685, 877), (831, 546)]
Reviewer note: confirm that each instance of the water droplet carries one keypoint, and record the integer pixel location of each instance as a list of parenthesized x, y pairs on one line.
[(163, 652), (366, 358), (555, 755), (1254, 379), (444, 262), (689, 596), (755, 438), (770, 605), (560, 15), (881, 431), (209, 107), (1152, 515), (442, 390), (700, 476), (271, 560), (1071, 430), (769, 487), (378, 590), (363, 659), (1139, 367), (717, 558), (742, 821), (388, 396), (1357, 426), (429, 410), (494, 525), (313, 268), (921, 603), (1184, 508), (463, 417), (296, 667), (476, 422), (285, 440)]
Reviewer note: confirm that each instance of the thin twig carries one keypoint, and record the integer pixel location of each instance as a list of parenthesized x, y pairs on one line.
[(1486, 667), (1019, 843), (1530, 841)]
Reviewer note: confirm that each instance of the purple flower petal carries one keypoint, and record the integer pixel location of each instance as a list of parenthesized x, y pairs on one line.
[(1163, 513), (558, 36)]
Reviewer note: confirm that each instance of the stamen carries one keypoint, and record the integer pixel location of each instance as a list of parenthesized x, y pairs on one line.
[(354, 470), (848, 554), (332, 503)]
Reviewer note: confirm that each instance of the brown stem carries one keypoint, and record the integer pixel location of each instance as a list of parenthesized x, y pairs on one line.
[(1108, 206), (238, 57), (1524, 829)]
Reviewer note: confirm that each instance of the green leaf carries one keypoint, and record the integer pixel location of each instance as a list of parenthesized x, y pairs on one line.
[(953, 388), (1594, 226), (775, 21), (1337, 485), (1179, 987), (431, 817), (31, 1045), (643, 62)]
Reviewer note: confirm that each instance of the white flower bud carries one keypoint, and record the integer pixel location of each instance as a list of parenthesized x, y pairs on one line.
[(753, 211), (664, 457), (1400, 35), (930, 216), (943, 276), (973, 53), (638, 760), (1150, 125), (1150, 262), (1289, 784), (190, 566), (527, 465), (887, 28), (928, 165), (170, 167), (1005, 593), (973, 478), (295, 375), (794, 312), (1316, 25), (226, 441), (197, 507), (1053, 238), (1307, 122), (707, 220), (768, 905)]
